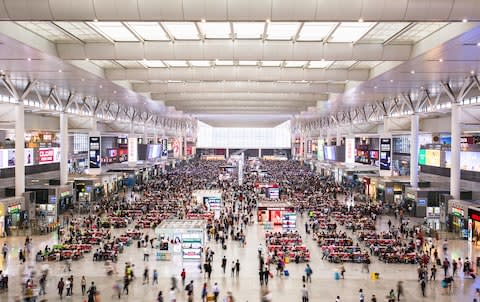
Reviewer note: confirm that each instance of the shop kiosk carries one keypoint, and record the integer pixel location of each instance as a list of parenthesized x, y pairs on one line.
[(180, 237)]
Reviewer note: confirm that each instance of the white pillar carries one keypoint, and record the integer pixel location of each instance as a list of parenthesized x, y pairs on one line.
[(145, 134), (63, 148), (19, 149), (132, 147), (227, 152), (259, 152), (305, 151), (301, 151), (185, 146), (455, 154), (339, 138), (414, 149), (328, 139)]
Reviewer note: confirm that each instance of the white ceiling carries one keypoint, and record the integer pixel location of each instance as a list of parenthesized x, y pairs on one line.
[(212, 58)]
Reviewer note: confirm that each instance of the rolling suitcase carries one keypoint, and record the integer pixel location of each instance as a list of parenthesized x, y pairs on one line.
[(286, 273)]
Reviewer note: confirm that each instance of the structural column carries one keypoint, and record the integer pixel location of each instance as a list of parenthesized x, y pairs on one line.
[(260, 153), (455, 154), (339, 138), (414, 149), (19, 149), (64, 148)]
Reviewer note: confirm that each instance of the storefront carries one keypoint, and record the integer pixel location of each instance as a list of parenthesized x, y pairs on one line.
[(457, 217), (12, 214), (210, 199), (474, 224), (273, 212), (180, 237)]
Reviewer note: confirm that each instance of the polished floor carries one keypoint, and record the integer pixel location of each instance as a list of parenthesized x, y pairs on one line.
[(246, 287)]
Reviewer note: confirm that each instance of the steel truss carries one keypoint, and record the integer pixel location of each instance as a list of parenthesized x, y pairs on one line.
[(401, 105), (39, 97)]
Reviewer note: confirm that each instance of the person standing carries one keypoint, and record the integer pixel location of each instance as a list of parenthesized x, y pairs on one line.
[(423, 285), (160, 296), (308, 273), (361, 295), (172, 296), (4, 251), (126, 283), (146, 254), (266, 274), (92, 291), (233, 268), (224, 264), (400, 289), (60, 287), (304, 293), (155, 277), (83, 284), (183, 275), (204, 292), (433, 272)]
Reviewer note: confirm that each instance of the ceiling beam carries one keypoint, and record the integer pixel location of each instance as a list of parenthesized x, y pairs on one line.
[(239, 96)]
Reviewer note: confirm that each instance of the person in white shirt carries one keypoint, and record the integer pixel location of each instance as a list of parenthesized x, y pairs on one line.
[(216, 291), (172, 295), (304, 293)]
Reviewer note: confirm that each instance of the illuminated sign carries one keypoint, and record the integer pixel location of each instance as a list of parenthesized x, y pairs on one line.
[(46, 155), (94, 152), (350, 150), (458, 212), (132, 149)]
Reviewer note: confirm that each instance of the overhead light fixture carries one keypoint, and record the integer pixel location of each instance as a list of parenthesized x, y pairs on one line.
[(360, 20), (375, 87), (478, 44), (440, 60), (465, 20), (391, 81), (268, 20), (29, 59), (115, 92), (472, 72), (87, 59), (60, 70), (203, 20), (100, 86), (412, 71), (95, 20)]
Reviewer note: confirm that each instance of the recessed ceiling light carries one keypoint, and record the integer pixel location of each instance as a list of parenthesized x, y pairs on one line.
[(95, 20), (83, 80), (472, 72), (464, 20), (478, 44), (203, 20), (360, 20), (440, 60), (59, 70), (87, 59), (100, 86), (268, 20), (422, 87), (114, 91), (375, 87), (29, 59), (412, 71), (391, 81)]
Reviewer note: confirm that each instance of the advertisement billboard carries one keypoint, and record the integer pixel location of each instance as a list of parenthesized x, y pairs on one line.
[(432, 158), (132, 150), (385, 153), (350, 150), (422, 157), (94, 152), (320, 154)]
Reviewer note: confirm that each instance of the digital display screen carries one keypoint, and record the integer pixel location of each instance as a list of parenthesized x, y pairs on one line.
[(94, 152)]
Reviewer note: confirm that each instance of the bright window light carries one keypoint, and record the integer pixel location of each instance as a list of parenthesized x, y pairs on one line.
[(271, 63), (383, 31), (47, 30), (248, 30), (282, 30), (319, 64), (294, 63), (82, 31), (152, 63), (215, 30), (348, 32), (149, 31), (200, 63), (315, 31), (224, 63), (247, 63), (115, 31), (420, 31), (176, 63), (182, 30), (342, 64)]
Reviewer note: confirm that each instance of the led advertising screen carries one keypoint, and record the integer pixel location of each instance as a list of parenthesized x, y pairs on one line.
[(320, 154), (330, 153), (164, 147), (422, 157), (385, 153), (94, 152), (432, 158)]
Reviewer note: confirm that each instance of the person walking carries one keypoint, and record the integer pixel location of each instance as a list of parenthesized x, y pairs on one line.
[(126, 283), (423, 285), (361, 295), (446, 266), (304, 293), (308, 273), (233, 268), (400, 289), (204, 292), (433, 272), (92, 292), (216, 291), (60, 287), (172, 295), (224, 264), (160, 296), (266, 275), (4, 251), (183, 275), (237, 267), (155, 277)]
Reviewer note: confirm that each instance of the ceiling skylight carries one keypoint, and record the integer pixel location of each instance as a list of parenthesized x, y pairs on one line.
[(115, 31), (315, 31), (176, 63), (200, 63), (182, 30), (348, 32), (294, 63), (224, 63), (383, 31), (248, 30), (82, 31), (149, 31), (271, 63), (247, 63), (47, 30), (282, 30), (319, 64), (215, 30), (420, 31), (152, 63)]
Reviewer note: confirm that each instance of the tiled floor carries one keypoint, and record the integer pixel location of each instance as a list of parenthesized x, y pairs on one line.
[(246, 287)]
